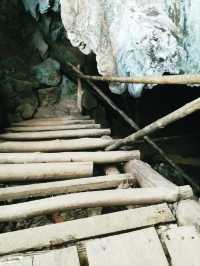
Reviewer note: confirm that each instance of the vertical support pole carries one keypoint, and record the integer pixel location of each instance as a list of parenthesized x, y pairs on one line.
[(79, 94)]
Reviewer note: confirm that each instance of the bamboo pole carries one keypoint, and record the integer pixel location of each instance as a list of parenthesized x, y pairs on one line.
[(132, 123), (107, 198), (63, 187), (96, 157), (51, 123), (55, 145), (161, 80), (61, 134), (52, 128), (44, 171), (161, 123)]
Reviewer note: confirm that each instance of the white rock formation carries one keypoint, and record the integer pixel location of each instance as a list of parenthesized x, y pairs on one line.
[(136, 37)]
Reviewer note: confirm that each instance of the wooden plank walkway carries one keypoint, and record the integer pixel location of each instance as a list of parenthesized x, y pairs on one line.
[(51, 165)]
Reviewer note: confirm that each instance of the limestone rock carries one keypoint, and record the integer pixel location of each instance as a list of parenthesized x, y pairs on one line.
[(49, 96), (136, 37), (36, 7), (67, 88), (48, 72)]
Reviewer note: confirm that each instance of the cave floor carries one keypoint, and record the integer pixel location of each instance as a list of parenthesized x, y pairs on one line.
[(66, 201)]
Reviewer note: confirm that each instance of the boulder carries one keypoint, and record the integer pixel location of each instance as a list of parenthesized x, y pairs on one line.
[(48, 72)]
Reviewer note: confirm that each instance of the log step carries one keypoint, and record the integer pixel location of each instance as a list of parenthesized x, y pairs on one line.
[(82, 144), (52, 123), (62, 187), (96, 157), (59, 118), (44, 171), (53, 128), (107, 198), (61, 134), (72, 231)]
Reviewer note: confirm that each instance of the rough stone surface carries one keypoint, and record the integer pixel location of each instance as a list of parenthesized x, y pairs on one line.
[(37, 7), (136, 37), (47, 72)]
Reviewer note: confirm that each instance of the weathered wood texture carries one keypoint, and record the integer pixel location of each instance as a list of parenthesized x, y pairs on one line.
[(60, 257), (52, 128), (137, 248), (162, 80), (107, 198), (61, 134), (146, 177), (61, 187), (83, 144), (183, 245), (134, 125), (159, 124), (58, 118), (45, 236), (44, 171), (96, 157), (188, 213), (20, 261), (52, 123)]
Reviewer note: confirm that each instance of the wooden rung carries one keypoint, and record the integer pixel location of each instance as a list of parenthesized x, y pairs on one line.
[(56, 234), (52, 123), (68, 186), (61, 134), (96, 157), (107, 198), (44, 171), (59, 118), (55, 145), (53, 128)]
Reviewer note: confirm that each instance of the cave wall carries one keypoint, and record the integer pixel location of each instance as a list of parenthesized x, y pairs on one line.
[(136, 37), (34, 53)]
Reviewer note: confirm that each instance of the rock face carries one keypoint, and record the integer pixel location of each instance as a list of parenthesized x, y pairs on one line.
[(136, 37)]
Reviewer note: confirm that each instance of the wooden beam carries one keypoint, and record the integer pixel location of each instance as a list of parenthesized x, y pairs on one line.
[(51, 123), (61, 134), (96, 157), (146, 177), (134, 125), (55, 145), (72, 231), (161, 80), (44, 171), (161, 123), (52, 128), (63, 187), (107, 198)]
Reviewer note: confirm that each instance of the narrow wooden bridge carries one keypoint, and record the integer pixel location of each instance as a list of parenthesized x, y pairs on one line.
[(137, 217)]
